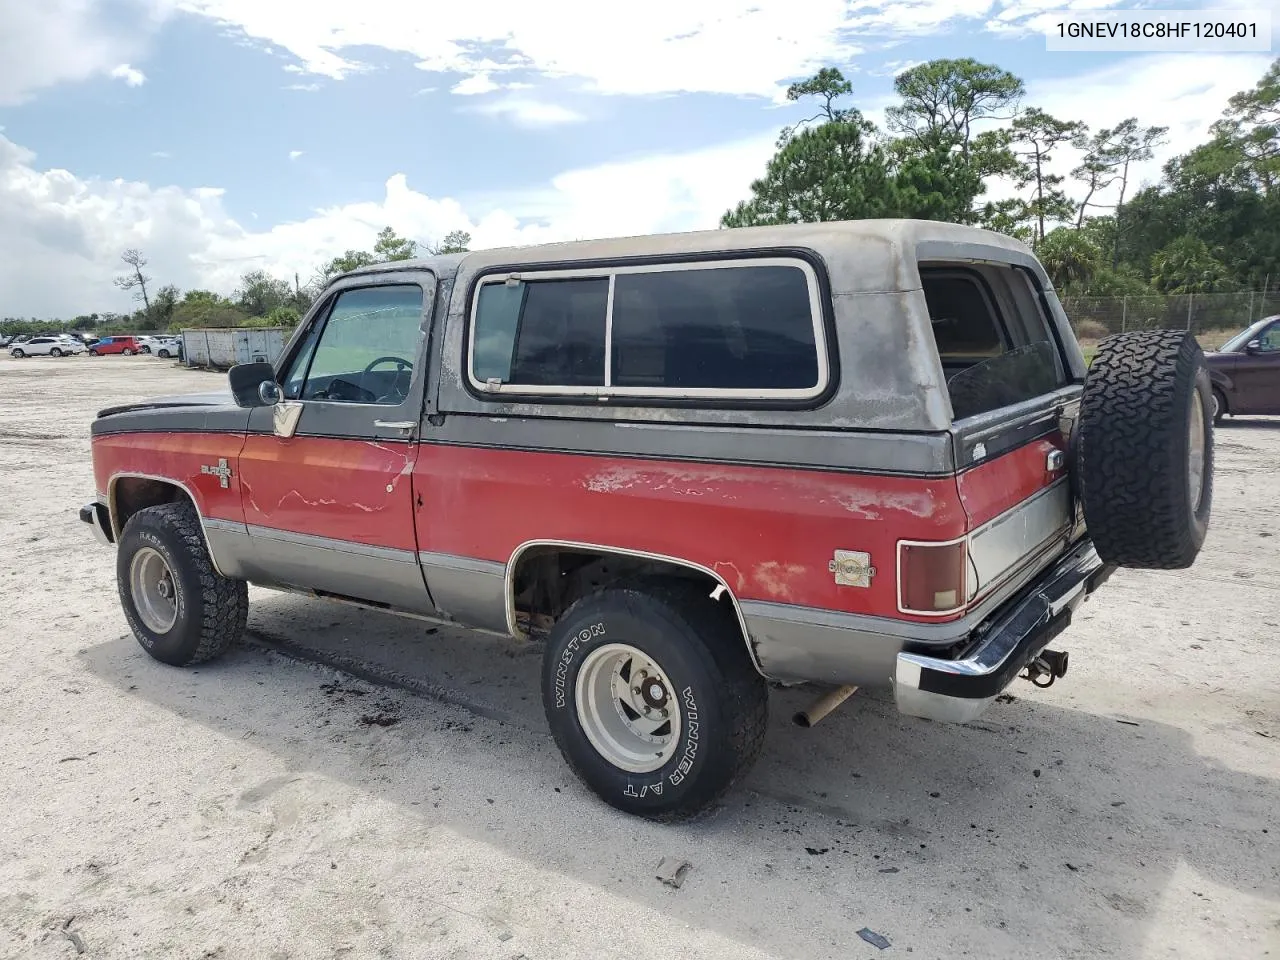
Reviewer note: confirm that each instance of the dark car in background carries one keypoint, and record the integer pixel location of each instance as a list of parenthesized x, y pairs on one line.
[(1245, 371)]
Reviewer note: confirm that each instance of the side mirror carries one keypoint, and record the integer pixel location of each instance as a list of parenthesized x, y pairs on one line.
[(252, 384), (1253, 346)]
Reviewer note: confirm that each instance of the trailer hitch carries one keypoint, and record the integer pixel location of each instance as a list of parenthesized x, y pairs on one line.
[(1046, 668)]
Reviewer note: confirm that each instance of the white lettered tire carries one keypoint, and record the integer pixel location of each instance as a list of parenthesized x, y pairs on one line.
[(652, 698), (181, 610)]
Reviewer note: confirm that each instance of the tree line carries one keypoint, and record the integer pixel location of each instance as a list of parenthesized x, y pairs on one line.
[(1211, 225), (260, 300)]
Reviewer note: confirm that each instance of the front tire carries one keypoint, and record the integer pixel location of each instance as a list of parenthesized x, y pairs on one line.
[(17, 354), (180, 609), (163, 354), (652, 699)]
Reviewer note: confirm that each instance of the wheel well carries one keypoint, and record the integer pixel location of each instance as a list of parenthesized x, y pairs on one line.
[(131, 494), (1222, 394), (545, 580)]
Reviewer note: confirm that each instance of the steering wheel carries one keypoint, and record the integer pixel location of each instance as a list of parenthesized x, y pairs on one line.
[(401, 366)]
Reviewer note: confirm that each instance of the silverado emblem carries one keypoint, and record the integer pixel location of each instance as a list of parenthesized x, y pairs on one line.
[(221, 471), (852, 568)]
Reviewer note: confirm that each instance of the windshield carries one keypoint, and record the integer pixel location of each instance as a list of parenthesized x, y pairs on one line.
[(1237, 342), (1022, 374)]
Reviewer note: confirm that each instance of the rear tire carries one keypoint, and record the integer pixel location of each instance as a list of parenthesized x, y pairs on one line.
[(1220, 409), (716, 701), (55, 352), (127, 352), (17, 354), (1146, 449), (162, 354), (180, 609)]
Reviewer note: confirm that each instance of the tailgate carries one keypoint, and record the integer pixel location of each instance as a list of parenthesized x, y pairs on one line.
[(1015, 486)]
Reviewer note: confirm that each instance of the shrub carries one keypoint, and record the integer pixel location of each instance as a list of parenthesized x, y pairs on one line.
[(1090, 330)]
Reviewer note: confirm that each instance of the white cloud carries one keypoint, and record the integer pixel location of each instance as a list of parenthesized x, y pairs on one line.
[(529, 113), (161, 154), (294, 154), (475, 84), (132, 76), (304, 87), (64, 234), (56, 41)]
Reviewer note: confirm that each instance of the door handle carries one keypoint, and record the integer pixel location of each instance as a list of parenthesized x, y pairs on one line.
[(396, 424)]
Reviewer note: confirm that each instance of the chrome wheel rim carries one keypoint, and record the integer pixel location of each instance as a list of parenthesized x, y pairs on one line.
[(1197, 450), (627, 708), (152, 588)]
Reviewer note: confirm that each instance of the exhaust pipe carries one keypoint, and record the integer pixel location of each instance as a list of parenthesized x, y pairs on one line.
[(822, 706)]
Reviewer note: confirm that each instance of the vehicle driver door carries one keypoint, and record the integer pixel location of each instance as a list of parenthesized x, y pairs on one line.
[(326, 471), (1257, 374)]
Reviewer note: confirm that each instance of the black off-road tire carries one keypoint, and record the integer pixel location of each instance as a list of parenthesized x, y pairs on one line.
[(723, 701), (212, 609), (1135, 435)]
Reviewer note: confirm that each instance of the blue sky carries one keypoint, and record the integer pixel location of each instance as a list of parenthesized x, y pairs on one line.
[(223, 135)]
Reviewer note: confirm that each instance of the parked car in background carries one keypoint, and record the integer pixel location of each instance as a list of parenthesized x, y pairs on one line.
[(163, 347), (1245, 371), (124, 345), (59, 346)]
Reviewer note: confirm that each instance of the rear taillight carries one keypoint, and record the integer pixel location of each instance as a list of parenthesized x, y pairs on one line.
[(933, 577)]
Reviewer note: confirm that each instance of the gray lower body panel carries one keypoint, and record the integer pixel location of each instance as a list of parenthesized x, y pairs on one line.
[(377, 574), (467, 590), (806, 645)]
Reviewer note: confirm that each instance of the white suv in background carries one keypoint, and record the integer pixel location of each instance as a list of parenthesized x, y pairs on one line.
[(57, 346), (162, 347)]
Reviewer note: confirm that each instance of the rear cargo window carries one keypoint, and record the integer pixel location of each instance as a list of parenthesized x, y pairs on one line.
[(725, 329), (993, 339)]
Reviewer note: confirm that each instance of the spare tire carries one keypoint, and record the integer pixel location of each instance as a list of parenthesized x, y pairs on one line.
[(1146, 449)]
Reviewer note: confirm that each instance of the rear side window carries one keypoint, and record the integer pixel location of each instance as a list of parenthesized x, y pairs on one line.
[(992, 337), (750, 329)]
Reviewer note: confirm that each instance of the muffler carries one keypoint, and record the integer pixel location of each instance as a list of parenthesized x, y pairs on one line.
[(822, 706)]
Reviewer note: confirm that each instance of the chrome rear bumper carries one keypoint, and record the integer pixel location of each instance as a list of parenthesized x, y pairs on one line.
[(959, 690)]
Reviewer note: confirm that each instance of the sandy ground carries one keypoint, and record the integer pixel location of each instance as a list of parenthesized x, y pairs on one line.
[(250, 809)]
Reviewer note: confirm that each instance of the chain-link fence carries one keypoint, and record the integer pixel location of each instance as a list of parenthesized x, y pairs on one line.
[(1096, 317)]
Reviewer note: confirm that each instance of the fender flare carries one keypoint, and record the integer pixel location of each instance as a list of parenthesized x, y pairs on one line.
[(722, 588)]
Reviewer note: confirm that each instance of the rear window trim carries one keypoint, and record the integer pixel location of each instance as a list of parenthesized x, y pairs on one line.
[(608, 393)]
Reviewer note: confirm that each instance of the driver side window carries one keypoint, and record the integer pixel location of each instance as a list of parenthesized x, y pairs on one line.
[(1270, 339), (364, 352)]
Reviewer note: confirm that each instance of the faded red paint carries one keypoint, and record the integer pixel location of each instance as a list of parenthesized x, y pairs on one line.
[(330, 488), (769, 532), (175, 456), (988, 490)]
